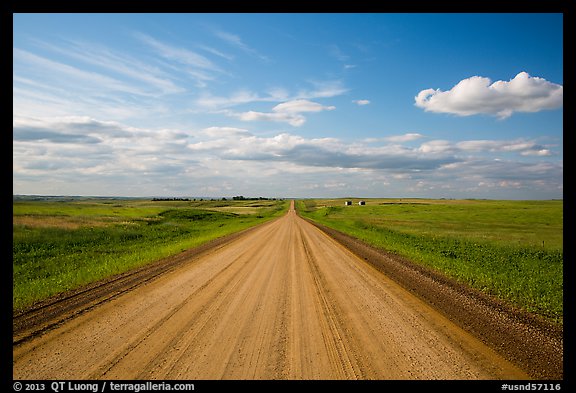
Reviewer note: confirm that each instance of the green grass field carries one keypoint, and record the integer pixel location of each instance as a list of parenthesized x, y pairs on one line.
[(509, 249), (62, 245)]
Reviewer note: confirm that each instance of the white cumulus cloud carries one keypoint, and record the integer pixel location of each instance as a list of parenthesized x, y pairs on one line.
[(477, 95), (288, 112), (215, 132), (411, 136), (361, 102), (299, 106), (294, 119)]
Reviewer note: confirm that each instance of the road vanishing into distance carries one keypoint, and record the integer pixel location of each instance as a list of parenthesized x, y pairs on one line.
[(281, 301)]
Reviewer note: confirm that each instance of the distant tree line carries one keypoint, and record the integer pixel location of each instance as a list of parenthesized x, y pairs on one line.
[(242, 198), (236, 198), (170, 199)]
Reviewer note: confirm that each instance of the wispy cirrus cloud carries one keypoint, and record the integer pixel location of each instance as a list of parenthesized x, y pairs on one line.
[(336, 52), (215, 52), (477, 95), (116, 63), (44, 86), (237, 42), (186, 61), (75, 77), (180, 55), (66, 75), (323, 89)]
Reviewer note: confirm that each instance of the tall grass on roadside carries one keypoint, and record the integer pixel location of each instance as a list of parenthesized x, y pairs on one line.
[(528, 275), (48, 259)]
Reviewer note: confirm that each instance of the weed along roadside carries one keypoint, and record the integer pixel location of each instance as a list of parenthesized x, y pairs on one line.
[(63, 245)]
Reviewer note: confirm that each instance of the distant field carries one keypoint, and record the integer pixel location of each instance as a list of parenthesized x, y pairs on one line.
[(510, 249), (61, 245)]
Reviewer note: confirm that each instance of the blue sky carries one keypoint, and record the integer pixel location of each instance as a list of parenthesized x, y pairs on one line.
[(289, 105)]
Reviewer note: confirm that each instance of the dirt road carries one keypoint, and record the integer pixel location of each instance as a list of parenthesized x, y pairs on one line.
[(284, 301)]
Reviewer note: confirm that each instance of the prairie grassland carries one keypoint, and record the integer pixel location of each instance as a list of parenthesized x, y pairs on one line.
[(58, 246), (509, 249)]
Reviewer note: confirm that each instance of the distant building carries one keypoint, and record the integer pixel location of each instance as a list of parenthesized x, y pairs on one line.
[(361, 203), (348, 203)]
